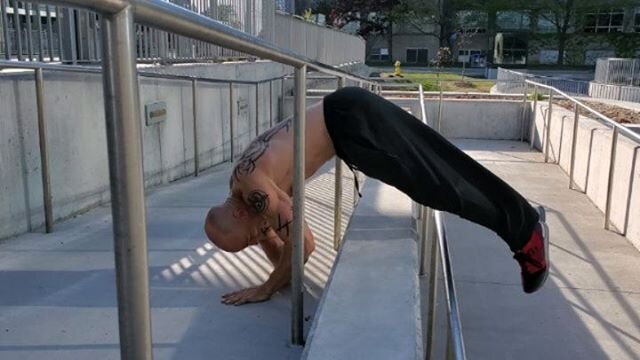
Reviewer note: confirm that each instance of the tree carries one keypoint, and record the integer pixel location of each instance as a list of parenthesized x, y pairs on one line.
[(467, 25), (427, 17), (568, 15), (564, 16), (373, 16)]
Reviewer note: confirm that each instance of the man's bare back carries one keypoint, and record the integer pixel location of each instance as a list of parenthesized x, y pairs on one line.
[(271, 153)]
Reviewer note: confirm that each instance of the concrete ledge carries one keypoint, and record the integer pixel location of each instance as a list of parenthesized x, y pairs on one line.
[(485, 119), (370, 308)]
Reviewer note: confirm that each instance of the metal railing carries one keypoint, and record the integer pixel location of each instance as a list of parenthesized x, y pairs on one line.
[(615, 127), (40, 68), (432, 234), (32, 31), (510, 81), (124, 145), (618, 72)]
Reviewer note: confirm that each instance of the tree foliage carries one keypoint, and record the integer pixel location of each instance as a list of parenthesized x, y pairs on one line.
[(372, 15)]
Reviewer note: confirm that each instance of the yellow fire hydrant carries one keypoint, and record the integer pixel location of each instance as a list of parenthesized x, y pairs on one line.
[(396, 65)]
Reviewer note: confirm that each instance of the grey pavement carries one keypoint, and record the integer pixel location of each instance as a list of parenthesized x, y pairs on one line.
[(590, 305), (58, 298)]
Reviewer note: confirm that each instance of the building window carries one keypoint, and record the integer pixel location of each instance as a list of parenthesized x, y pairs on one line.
[(515, 49), (464, 54), (604, 21), (636, 20), (417, 56), (379, 54)]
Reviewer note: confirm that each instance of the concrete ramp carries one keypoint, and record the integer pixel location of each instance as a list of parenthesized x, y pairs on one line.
[(370, 308), (589, 307)]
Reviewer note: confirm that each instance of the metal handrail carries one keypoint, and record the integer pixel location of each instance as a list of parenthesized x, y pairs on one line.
[(432, 231), (122, 112), (455, 325), (173, 18), (616, 127), (600, 116), (34, 65)]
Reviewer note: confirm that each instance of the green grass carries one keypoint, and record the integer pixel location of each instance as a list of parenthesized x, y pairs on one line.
[(448, 81)]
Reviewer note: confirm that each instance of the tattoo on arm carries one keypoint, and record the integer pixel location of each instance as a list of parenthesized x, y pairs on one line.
[(259, 201), (283, 226)]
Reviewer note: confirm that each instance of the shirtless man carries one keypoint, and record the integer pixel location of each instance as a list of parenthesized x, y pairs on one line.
[(385, 142)]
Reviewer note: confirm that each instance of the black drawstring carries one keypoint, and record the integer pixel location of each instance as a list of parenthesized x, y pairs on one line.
[(355, 178)]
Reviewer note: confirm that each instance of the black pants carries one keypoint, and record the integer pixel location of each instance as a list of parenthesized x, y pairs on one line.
[(385, 142)]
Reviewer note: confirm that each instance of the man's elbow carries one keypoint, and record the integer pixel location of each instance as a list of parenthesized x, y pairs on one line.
[(309, 247)]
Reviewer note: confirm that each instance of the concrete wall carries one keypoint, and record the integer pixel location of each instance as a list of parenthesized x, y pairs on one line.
[(592, 161), (415, 41), (77, 141), (472, 119), (615, 92), (317, 42)]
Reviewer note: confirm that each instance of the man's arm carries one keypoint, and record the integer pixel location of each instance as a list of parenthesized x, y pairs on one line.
[(281, 274)]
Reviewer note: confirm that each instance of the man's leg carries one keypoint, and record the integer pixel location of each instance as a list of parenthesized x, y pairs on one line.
[(387, 143)]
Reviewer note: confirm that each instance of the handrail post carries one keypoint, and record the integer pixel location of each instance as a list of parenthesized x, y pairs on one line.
[(270, 103), (282, 102), (122, 113), (433, 280), (44, 151), (257, 108), (524, 111), (422, 106), (337, 211), (440, 107), (196, 151), (574, 140), (27, 11), (297, 262), (18, 30), (548, 128), (5, 30), (423, 217), (612, 163), (534, 116), (231, 120)]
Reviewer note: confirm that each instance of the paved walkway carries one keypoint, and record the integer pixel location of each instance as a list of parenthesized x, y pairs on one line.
[(590, 306), (58, 298), (58, 291)]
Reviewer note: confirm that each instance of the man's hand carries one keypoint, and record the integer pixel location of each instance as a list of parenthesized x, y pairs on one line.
[(245, 296)]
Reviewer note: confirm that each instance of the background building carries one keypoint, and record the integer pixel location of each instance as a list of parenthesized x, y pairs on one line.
[(515, 36)]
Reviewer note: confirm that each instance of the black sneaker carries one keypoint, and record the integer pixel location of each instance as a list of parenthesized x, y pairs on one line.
[(534, 256)]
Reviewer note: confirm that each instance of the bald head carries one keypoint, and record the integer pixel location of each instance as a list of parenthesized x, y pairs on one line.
[(229, 226)]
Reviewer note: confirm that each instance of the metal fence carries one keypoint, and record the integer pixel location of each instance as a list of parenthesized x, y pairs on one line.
[(36, 32), (512, 82), (612, 71), (616, 130)]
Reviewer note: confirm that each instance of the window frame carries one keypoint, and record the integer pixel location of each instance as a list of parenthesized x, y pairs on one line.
[(603, 21)]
